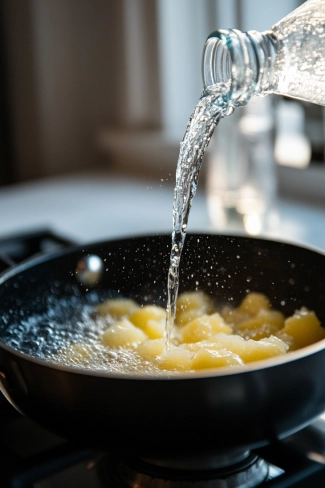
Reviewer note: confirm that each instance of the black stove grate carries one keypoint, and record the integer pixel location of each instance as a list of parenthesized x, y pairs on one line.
[(18, 472), (18, 248)]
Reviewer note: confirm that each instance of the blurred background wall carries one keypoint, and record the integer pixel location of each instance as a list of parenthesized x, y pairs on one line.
[(110, 83)]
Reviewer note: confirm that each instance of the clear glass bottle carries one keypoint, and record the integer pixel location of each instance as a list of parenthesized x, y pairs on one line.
[(288, 59)]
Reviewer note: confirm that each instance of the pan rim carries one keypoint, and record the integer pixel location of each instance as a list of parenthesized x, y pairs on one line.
[(39, 259), (208, 374)]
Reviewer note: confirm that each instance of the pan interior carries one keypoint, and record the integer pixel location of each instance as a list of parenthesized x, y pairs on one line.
[(44, 308)]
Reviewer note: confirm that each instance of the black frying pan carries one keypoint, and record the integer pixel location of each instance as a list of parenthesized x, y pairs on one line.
[(227, 409)]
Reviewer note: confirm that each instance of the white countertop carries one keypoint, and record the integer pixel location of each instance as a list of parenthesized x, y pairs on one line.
[(94, 207)]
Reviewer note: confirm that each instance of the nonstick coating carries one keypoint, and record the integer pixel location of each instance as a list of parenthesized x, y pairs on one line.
[(172, 416)]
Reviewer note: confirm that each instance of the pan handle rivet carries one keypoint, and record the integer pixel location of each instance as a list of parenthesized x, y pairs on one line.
[(89, 270)]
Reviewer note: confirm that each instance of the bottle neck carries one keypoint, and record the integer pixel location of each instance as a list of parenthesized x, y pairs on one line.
[(246, 60)]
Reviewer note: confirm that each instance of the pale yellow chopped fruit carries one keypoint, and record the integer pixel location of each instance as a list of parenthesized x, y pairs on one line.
[(203, 327), (150, 349), (176, 359), (76, 353), (264, 324), (123, 334), (257, 333), (288, 339), (231, 342), (197, 346), (250, 350), (212, 358), (206, 339), (304, 327), (117, 307), (183, 318), (272, 317), (263, 349), (194, 299), (155, 330), (253, 303), (233, 316), (191, 304), (151, 319), (194, 346)]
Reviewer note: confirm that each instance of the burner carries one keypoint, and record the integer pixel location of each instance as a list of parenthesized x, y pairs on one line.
[(133, 473)]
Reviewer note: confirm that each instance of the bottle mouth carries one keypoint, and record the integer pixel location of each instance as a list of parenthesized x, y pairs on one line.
[(216, 62), (240, 59)]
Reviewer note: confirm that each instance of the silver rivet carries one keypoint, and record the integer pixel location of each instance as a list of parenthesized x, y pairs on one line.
[(89, 270)]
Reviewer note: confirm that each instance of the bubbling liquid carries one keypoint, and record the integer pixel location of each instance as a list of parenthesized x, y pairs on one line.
[(68, 322)]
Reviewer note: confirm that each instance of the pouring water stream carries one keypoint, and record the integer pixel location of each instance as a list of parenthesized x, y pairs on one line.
[(211, 107)]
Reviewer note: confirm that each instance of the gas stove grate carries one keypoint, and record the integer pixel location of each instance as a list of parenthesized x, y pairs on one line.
[(21, 471), (18, 248)]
